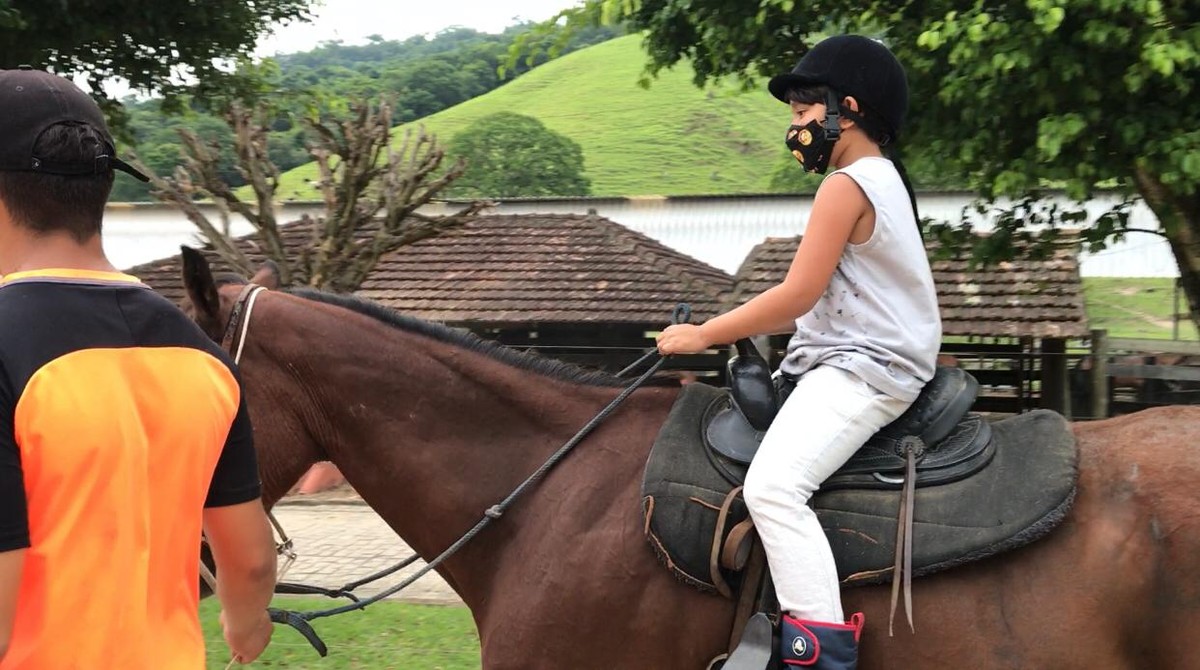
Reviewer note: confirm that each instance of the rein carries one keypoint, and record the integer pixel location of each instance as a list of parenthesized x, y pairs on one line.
[(299, 620)]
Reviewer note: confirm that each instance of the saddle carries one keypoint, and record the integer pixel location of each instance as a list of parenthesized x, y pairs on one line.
[(937, 488), (937, 432)]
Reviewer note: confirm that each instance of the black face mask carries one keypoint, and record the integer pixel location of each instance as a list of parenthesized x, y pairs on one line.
[(812, 144)]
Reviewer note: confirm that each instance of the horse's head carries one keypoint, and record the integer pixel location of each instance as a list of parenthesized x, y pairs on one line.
[(275, 399), (210, 297)]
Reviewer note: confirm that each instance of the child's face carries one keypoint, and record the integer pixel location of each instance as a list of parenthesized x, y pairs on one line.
[(804, 113)]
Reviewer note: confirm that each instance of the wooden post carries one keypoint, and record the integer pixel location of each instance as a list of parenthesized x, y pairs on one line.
[(1175, 309), (1025, 374), (1054, 376), (1100, 374)]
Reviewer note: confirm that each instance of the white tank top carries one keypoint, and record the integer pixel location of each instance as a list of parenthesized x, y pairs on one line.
[(879, 317)]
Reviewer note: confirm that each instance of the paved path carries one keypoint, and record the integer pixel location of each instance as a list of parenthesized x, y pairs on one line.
[(340, 542)]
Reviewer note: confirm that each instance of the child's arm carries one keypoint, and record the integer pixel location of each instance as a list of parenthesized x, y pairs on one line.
[(837, 208)]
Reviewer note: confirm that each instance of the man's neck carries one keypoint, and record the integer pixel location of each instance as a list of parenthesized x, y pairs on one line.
[(57, 250)]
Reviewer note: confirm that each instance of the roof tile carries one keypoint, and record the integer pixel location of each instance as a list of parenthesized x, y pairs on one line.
[(519, 268)]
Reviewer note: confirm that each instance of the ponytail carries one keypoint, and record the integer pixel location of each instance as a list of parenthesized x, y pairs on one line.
[(878, 130), (893, 154)]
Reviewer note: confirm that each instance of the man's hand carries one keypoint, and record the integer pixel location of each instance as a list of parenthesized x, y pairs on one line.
[(248, 639), (683, 338), (243, 548)]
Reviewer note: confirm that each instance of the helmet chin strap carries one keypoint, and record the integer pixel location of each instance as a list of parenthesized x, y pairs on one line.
[(833, 130)]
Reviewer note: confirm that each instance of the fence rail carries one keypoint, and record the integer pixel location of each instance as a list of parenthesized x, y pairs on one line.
[(1149, 346)]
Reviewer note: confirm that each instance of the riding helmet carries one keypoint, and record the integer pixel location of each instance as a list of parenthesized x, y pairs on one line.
[(856, 66)]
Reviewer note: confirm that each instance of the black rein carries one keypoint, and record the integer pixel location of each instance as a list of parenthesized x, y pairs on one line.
[(299, 620)]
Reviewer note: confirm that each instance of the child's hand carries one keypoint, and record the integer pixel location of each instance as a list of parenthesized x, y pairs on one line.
[(682, 338)]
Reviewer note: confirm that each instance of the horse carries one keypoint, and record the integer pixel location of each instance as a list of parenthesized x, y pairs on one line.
[(433, 426)]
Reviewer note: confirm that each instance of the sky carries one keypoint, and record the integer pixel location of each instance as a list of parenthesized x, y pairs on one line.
[(351, 21)]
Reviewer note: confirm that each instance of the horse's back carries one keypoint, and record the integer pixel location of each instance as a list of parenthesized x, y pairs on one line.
[(1116, 586), (1146, 467)]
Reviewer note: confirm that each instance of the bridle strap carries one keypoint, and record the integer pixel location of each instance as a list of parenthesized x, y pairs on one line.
[(237, 353), (235, 316)]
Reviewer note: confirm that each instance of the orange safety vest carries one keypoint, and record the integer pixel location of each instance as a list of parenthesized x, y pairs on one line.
[(120, 409)]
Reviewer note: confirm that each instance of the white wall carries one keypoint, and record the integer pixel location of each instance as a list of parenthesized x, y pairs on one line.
[(720, 231), (140, 233)]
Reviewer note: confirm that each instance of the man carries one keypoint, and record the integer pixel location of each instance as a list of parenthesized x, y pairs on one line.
[(123, 429)]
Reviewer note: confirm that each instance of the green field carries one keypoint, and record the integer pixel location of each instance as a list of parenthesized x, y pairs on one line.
[(384, 636), (1135, 307), (670, 139)]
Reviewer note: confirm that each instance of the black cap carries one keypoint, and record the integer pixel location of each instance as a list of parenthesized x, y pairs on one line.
[(33, 100), (856, 66)]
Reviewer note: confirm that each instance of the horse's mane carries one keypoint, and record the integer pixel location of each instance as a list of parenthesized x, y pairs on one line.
[(464, 339)]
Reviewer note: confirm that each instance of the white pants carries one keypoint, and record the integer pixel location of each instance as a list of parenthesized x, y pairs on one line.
[(827, 418)]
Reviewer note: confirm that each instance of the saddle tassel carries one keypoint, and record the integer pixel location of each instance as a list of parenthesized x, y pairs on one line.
[(902, 564)]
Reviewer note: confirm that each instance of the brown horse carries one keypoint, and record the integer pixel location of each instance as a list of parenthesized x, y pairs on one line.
[(432, 427)]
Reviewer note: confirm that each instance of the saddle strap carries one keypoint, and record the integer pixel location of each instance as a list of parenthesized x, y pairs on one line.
[(714, 556), (902, 564), (749, 592), (737, 546)]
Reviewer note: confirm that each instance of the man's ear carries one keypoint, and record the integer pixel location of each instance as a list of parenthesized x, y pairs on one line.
[(201, 291), (267, 276)]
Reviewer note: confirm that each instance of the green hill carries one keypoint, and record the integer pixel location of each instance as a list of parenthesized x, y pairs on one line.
[(669, 139)]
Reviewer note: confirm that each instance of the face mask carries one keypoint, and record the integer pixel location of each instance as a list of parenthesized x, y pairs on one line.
[(812, 144), (809, 145)]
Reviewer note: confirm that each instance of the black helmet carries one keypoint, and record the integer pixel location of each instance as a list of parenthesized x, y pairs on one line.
[(856, 66)]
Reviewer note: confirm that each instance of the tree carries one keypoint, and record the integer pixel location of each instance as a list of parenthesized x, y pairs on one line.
[(1018, 96), (371, 192), (153, 45), (514, 155)]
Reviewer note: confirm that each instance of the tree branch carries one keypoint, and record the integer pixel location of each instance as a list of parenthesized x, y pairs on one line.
[(180, 192), (370, 189)]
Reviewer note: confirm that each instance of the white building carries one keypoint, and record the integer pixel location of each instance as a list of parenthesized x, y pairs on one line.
[(719, 230)]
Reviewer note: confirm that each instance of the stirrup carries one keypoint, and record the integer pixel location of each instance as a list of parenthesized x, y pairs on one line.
[(754, 650)]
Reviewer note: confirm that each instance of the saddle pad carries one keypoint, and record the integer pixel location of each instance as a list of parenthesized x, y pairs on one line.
[(1021, 495)]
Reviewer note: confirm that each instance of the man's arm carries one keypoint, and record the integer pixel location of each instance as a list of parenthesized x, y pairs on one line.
[(11, 564), (242, 543), (243, 549)]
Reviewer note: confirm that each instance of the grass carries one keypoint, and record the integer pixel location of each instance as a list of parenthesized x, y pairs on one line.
[(670, 139), (386, 635), (1135, 307)]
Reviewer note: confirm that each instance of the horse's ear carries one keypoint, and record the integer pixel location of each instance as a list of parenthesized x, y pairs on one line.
[(201, 291), (267, 276)]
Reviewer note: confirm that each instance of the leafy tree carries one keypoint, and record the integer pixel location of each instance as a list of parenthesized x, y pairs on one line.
[(424, 75), (1017, 96), (148, 43), (513, 155)]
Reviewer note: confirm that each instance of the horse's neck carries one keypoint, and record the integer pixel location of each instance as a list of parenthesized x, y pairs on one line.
[(431, 434)]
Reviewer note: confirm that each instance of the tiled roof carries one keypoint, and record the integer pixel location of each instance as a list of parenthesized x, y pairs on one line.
[(523, 269), (1035, 298)]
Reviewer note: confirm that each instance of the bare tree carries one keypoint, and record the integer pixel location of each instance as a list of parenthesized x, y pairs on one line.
[(371, 191)]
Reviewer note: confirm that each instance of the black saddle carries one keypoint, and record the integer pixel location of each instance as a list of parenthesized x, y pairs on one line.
[(937, 488), (947, 442)]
